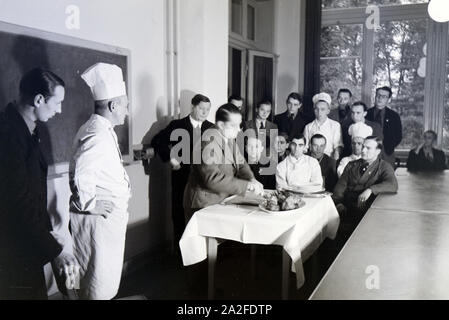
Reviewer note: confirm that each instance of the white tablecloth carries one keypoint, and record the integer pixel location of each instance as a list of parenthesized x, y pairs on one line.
[(295, 232)]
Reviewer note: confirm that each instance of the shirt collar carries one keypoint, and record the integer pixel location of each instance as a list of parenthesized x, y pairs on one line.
[(320, 125), (194, 122), (102, 121)]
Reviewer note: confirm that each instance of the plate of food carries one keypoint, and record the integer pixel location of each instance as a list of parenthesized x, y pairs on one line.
[(280, 202)]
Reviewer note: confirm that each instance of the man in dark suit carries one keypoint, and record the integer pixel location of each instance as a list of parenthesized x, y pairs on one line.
[(261, 126), (191, 128), (389, 121), (328, 165), (292, 121), (26, 241), (358, 114), (360, 182), (342, 113)]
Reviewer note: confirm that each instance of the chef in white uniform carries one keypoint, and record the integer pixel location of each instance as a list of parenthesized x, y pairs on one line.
[(100, 187)]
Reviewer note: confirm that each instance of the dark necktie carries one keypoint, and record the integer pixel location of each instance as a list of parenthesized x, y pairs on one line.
[(262, 126)]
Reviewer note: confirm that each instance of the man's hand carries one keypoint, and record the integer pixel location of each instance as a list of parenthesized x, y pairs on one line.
[(363, 197), (175, 165), (255, 187), (103, 208), (66, 267)]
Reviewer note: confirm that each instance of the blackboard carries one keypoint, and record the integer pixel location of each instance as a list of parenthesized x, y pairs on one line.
[(22, 49)]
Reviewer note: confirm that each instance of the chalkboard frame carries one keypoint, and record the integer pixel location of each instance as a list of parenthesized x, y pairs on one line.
[(62, 168)]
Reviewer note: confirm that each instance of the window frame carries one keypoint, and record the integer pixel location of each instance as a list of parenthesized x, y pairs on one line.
[(437, 52)]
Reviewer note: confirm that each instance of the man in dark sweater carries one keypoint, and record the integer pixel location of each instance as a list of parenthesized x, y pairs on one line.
[(360, 182)]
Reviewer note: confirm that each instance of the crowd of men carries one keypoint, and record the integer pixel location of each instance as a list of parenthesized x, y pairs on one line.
[(348, 151)]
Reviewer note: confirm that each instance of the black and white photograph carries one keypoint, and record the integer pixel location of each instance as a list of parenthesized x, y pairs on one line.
[(224, 155)]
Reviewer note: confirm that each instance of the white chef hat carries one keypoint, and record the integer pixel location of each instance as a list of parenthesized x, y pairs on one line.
[(360, 129), (322, 96), (105, 81)]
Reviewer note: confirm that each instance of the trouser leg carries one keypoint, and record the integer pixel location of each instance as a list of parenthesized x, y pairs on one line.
[(21, 282)]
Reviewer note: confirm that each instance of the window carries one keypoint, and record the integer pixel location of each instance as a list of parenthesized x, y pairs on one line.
[(363, 59), (398, 49), (236, 16), (445, 140), (341, 59), (329, 4), (251, 20)]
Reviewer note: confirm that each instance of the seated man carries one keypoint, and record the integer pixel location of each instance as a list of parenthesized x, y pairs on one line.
[(260, 168), (360, 182), (327, 164), (280, 146), (298, 169), (425, 157), (357, 145)]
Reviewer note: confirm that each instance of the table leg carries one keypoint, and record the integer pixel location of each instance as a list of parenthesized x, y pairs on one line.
[(253, 261), (212, 258), (285, 274)]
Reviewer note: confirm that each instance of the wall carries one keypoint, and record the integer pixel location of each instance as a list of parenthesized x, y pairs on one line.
[(141, 26), (288, 47)]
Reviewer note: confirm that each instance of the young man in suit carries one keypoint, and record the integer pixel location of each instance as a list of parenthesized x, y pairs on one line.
[(261, 125), (292, 121), (358, 122), (342, 113), (26, 239), (390, 122), (328, 165), (192, 126)]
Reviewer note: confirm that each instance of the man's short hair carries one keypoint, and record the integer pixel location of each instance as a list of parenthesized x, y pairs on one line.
[(385, 88), (196, 100), (235, 97), (343, 91), (224, 111), (433, 133), (318, 136), (38, 81), (284, 135), (295, 96), (266, 102), (378, 140), (360, 103), (299, 136)]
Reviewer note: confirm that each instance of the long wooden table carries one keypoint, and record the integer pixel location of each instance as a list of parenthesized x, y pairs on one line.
[(400, 249)]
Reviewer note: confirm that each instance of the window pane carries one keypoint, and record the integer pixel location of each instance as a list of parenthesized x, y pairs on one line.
[(251, 30), (341, 63), (398, 49), (329, 4), (236, 16), (445, 142)]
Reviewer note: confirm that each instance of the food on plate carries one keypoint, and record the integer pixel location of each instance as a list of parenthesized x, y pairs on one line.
[(281, 201)]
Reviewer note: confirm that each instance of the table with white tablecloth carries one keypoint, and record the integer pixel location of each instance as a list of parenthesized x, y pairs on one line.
[(299, 232)]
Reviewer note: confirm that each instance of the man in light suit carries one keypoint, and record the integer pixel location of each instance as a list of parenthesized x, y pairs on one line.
[(223, 171)]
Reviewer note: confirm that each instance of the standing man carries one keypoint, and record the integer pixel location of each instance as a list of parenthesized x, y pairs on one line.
[(162, 144), (100, 186), (358, 123), (390, 122), (292, 121), (328, 165), (329, 128), (261, 125), (26, 240), (237, 101), (343, 112)]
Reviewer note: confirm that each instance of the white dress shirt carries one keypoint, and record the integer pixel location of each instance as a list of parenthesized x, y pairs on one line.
[(96, 170), (331, 129), (195, 123), (297, 172), (344, 162)]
